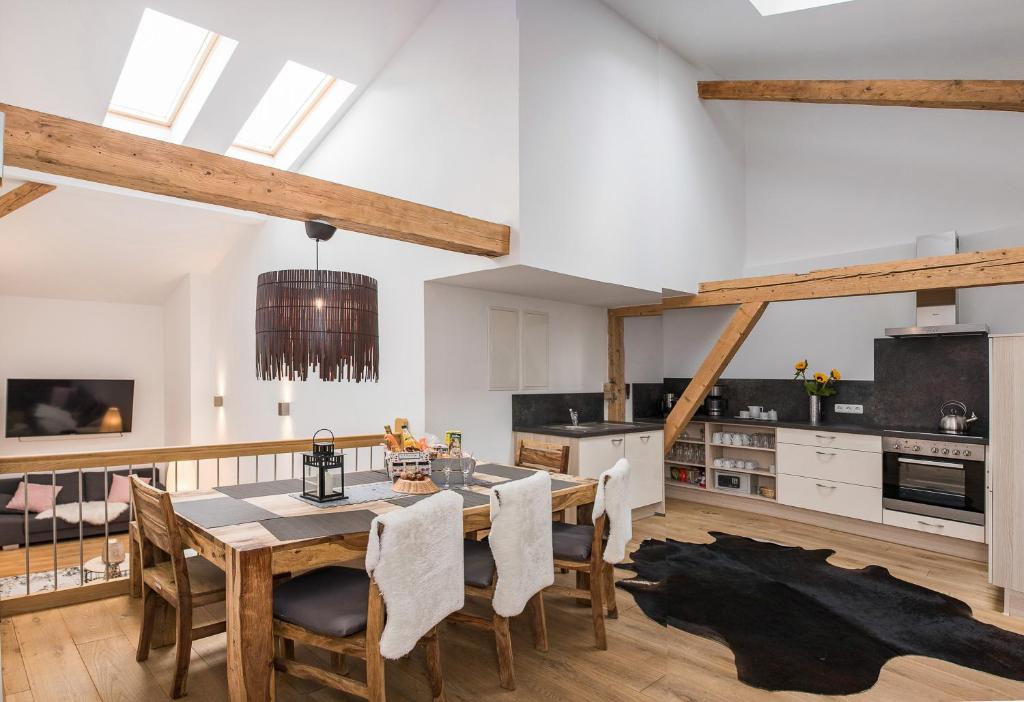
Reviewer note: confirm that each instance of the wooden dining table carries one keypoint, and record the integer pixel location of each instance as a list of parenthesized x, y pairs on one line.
[(259, 531)]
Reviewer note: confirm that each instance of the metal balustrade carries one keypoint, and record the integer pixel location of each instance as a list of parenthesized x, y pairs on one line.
[(178, 469)]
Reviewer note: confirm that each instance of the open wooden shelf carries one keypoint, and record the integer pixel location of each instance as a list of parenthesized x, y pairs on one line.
[(751, 471), (670, 462), (689, 486), (745, 448)]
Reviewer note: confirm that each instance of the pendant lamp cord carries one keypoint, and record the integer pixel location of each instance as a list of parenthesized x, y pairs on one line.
[(318, 255)]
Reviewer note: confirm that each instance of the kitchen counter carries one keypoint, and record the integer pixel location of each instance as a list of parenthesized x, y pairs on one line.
[(590, 429), (837, 427)]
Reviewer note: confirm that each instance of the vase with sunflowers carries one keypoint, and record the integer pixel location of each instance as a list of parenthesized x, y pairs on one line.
[(817, 386)]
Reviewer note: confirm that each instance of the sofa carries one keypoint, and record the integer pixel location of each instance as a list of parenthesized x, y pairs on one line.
[(12, 522)]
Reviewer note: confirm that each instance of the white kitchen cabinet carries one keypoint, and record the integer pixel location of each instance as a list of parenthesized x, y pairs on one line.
[(855, 467), (822, 438), (844, 499), (1006, 456), (645, 453), (934, 525)]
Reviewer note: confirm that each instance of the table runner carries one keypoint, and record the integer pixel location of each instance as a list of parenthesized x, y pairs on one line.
[(314, 525)]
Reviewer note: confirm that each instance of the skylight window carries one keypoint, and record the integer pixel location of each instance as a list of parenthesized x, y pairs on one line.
[(296, 108), (170, 70), (778, 7)]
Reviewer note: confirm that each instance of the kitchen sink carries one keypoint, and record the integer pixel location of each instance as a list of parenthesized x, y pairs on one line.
[(590, 426)]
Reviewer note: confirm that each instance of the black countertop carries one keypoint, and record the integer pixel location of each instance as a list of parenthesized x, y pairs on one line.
[(831, 426), (587, 430)]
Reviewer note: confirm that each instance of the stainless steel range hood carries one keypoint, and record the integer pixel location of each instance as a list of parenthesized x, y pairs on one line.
[(937, 310)]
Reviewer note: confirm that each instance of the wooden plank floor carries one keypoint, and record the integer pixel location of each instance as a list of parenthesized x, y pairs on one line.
[(86, 652)]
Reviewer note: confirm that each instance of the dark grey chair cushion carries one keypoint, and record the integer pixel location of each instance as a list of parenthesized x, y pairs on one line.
[(330, 601), (572, 542), (480, 566)]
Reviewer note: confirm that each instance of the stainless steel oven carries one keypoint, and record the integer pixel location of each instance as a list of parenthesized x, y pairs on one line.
[(944, 479)]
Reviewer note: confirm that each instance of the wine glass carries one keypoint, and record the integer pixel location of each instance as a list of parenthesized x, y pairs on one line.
[(467, 464), (447, 473)]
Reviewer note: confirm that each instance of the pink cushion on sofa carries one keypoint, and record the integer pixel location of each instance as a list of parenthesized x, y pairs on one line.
[(40, 497), (120, 488)]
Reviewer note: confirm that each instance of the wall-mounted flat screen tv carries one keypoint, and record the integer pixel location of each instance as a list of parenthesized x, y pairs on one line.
[(59, 407)]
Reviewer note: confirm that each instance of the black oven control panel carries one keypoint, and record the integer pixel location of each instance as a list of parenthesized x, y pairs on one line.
[(934, 449)]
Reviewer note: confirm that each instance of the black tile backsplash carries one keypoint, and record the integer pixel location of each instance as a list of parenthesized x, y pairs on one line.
[(647, 399), (534, 410), (915, 375)]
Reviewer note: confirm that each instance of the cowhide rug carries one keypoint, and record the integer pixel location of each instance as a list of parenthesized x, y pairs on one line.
[(796, 622)]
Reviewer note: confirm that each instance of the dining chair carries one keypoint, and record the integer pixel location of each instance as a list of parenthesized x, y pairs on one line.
[(512, 567), (169, 579), (553, 458), (412, 581), (592, 550)]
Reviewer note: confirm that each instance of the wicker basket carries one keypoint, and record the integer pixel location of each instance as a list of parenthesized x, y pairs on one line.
[(415, 487), (768, 492)]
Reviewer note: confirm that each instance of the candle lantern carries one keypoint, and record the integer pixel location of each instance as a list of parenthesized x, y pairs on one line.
[(323, 471)]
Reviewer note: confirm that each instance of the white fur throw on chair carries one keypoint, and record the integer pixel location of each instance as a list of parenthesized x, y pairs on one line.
[(418, 565), (520, 541), (613, 499)]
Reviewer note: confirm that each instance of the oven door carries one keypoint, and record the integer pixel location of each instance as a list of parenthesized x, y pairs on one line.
[(950, 489)]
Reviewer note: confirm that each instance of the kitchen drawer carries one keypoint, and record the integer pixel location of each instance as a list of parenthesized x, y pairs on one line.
[(823, 438), (856, 501), (840, 465), (934, 525)]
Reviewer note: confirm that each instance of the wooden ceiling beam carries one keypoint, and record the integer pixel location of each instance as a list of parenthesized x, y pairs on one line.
[(61, 146), (965, 270), (1006, 95), (22, 195)]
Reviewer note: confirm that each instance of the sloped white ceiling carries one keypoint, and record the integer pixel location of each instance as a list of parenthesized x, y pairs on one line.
[(859, 39)]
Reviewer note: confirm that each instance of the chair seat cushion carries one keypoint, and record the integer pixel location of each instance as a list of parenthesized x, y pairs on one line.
[(479, 563), (572, 542), (330, 601)]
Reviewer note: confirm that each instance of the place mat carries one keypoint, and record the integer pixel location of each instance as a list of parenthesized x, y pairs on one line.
[(283, 487), (562, 485), (221, 511), (271, 487), (356, 494), (470, 499), (513, 473), (316, 525)]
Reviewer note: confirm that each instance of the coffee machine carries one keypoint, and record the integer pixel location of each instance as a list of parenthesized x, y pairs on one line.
[(668, 401), (715, 402)]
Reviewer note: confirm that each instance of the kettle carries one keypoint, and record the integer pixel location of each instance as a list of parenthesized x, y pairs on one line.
[(953, 423)]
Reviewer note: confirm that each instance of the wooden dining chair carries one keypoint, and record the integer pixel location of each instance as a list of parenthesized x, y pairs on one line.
[(482, 577), (169, 579), (579, 548), (553, 458), (342, 610)]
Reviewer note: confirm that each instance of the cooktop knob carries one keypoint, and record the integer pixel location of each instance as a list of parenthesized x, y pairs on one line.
[(945, 451), (916, 447), (956, 452), (967, 452), (935, 449)]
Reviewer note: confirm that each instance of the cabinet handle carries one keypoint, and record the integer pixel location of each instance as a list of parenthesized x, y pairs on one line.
[(825, 437), (827, 487), (825, 453), (645, 439), (616, 441), (934, 526)]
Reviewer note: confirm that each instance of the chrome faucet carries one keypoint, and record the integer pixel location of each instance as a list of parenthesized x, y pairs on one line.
[(574, 416)]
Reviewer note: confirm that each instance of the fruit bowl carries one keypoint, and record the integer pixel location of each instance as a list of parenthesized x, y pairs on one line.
[(415, 487)]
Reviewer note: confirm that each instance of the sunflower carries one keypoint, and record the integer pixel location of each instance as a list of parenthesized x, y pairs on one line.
[(801, 365), (820, 378), (836, 375)]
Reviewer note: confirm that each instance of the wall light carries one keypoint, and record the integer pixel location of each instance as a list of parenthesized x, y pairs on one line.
[(284, 409), (218, 400)]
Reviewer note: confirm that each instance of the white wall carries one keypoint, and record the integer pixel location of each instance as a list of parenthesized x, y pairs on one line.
[(437, 126), (44, 338), (626, 176), (457, 362), (177, 366), (828, 179)]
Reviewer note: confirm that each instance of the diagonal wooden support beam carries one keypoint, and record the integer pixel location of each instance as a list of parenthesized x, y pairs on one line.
[(22, 195), (51, 144), (1005, 95), (711, 369)]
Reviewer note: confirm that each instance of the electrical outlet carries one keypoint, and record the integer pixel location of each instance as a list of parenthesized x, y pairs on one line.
[(849, 409)]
